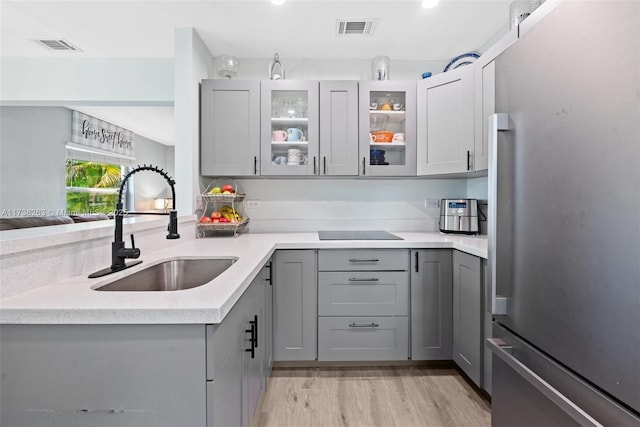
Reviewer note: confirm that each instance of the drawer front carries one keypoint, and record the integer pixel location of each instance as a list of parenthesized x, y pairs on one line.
[(363, 293), (363, 338), (363, 259)]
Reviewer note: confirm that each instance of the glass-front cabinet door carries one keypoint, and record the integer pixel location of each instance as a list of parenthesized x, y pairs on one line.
[(388, 128), (289, 127)]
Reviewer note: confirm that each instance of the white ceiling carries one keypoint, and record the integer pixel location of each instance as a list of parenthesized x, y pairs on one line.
[(300, 29)]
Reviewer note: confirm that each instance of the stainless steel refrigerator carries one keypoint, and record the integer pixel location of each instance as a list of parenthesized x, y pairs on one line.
[(564, 230)]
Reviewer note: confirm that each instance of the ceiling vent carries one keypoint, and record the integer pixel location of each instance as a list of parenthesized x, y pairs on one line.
[(347, 27), (58, 45)]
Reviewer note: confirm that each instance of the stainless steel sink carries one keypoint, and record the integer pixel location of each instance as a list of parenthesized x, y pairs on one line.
[(172, 275)]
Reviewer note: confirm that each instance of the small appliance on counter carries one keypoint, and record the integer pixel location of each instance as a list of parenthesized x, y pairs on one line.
[(459, 216)]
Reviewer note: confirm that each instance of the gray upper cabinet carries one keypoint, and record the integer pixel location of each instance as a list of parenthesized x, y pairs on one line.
[(294, 305), (338, 128), (230, 128), (290, 130), (387, 106), (446, 123), (468, 317), (484, 99), (431, 304)]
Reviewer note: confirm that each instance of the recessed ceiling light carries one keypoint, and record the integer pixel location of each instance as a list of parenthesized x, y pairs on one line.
[(278, 2), (428, 4)]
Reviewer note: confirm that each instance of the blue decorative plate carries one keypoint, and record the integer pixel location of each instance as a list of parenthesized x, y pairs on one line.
[(460, 60)]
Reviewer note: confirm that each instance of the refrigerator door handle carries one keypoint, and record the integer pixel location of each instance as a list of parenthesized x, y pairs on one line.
[(503, 351), (497, 122)]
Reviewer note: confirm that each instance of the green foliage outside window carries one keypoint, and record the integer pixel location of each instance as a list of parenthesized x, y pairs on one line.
[(92, 187)]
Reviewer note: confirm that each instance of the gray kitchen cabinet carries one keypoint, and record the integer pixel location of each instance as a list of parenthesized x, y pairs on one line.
[(235, 360), (268, 321), (363, 293), (136, 375), (387, 106), (363, 338), (230, 127), (488, 329), (445, 113), (431, 304), (468, 318), (338, 128), (103, 375), (290, 129), (363, 304), (294, 278), (484, 99)]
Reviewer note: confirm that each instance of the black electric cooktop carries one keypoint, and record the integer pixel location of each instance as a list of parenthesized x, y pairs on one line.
[(357, 235)]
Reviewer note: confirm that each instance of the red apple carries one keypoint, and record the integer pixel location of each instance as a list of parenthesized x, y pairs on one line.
[(205, 219), (227, 187), (223, 219), (216, 214)]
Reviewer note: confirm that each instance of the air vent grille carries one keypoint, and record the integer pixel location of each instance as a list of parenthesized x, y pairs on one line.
[(59, 45), (346, 27)]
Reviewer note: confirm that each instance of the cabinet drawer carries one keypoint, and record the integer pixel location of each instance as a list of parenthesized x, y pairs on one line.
[(363, 293), (363, 259), (363, 338)]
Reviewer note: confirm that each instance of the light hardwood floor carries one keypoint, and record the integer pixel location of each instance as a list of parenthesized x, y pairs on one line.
[(380, 396)]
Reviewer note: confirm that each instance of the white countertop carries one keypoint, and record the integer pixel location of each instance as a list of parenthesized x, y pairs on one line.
[(73, 301)]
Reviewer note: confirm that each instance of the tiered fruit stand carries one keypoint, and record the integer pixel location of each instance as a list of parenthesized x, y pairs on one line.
[(229, 205)]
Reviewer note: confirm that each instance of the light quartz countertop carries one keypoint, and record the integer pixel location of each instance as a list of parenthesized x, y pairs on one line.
[(74, 300)]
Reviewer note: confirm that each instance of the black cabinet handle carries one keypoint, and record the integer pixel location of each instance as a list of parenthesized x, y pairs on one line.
[(255, 322), (364, 160), (416, 261), (255, 165), (253, 331), (268, 279), (468, 160), (314, 165), (324, 164)]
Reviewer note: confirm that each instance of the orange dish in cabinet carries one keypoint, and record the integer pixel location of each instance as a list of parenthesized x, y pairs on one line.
[(382, 136)]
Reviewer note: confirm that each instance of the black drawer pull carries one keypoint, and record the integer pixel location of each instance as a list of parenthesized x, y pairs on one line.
[(364, 260), (365, 325), (357, 279)]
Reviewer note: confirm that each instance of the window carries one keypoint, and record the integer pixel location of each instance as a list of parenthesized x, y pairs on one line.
[(92, 187)]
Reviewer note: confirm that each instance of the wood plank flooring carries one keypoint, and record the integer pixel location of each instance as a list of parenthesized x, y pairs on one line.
[(371, 397)]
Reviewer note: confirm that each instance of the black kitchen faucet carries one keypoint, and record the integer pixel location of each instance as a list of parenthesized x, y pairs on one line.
[(119, 253)]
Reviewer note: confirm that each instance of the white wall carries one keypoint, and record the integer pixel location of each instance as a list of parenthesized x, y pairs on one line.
[(32, 159), (334, 69), (193, 62), (100, 81), (288, 205), (149, 185)]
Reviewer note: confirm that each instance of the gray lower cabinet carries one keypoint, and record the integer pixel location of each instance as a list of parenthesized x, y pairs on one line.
[(431, 304), (268, 321), (468, 319), (488, 329), (294, 305), (103, 375), (363, 304), (237, 357), (137, 375), (363, 338)]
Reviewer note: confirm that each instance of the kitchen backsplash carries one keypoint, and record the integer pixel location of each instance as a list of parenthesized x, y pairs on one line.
[(293, 205)]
